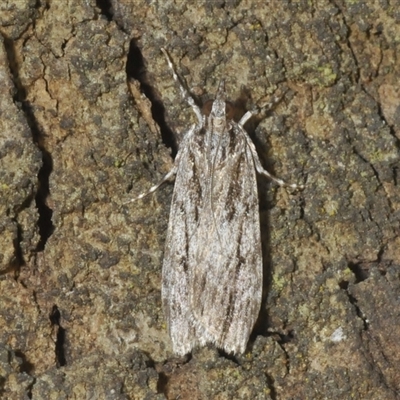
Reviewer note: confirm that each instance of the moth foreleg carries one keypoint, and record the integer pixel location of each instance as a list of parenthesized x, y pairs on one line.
[(166, 178), (262, 171)]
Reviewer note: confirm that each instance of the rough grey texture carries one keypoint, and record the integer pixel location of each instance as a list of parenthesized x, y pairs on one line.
[(80, 274), (20, 161), (100, 377), (15, 378)]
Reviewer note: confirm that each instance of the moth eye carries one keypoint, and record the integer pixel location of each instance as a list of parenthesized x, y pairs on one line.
[(206, 109), (230, 110)]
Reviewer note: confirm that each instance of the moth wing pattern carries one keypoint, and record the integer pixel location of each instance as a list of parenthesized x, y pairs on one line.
[(212, 271), (227, 281), (178, 255)]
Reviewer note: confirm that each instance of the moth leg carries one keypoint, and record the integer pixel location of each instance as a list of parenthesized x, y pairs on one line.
[(263, 108), (257, 163), (172, 173), (184, 93), (262, 171), (166, 178), (247, 116)]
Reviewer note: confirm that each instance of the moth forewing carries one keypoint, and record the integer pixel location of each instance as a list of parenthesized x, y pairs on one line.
[(227, 274)]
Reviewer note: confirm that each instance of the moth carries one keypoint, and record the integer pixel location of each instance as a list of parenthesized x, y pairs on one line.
[(212, 269)]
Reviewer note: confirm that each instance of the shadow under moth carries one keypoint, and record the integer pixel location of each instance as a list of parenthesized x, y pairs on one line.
[(212, 269)]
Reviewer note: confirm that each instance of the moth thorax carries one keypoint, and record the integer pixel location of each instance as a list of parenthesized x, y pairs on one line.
[(218, 116), (218, 124)]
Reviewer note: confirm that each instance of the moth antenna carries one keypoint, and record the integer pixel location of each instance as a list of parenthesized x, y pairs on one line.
[(184, 93)]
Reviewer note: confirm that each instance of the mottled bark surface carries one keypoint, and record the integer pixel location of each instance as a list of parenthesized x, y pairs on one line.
[(90, 117)]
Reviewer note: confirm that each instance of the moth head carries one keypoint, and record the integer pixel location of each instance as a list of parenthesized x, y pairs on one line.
[(218, 108), (218, 115)]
